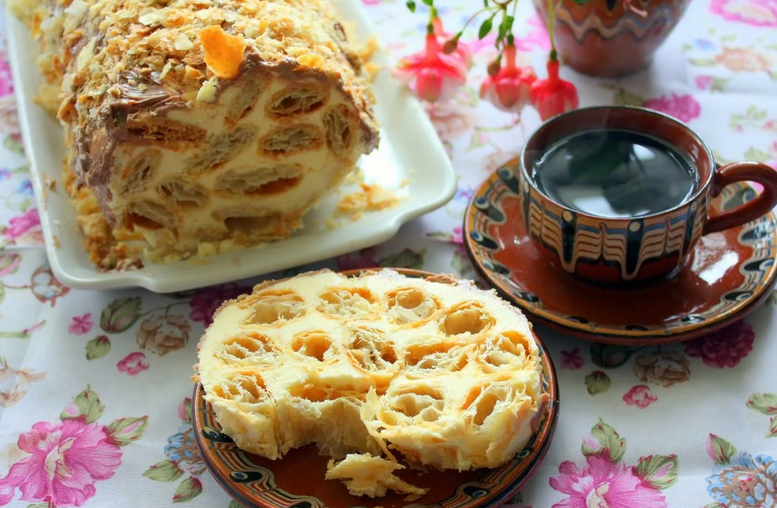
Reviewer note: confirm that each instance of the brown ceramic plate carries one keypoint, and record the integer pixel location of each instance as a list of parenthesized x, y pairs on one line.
[(727, 276), (297, 480)]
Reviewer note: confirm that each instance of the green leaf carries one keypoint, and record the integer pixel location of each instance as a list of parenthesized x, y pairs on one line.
[(485, 27), (658, 471), (728, 38), (10, 261), (606, 442), (687, 46), (765, 403), (406, 258), (714, 504), (625, 98), (85, 406), (40, 505), (720, 450), (120, 314), (719, 158), (757, 155), (773, 75), (610, 357), (772, 427), (98, 347), (187, 490), (165, 471), (428, 2), (718, 84), (234, 504), (597, 382), (462, 265), (12, 145), (517, 498), (410, 5), (702, 62), (126, 430)]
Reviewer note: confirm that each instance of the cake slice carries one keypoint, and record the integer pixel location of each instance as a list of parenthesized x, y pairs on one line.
[(201, 125)]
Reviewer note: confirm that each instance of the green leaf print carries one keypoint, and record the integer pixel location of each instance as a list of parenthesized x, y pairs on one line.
[(715, 505), (462, 265), (13, 146), (120, 314), (597, 382), (604, 441), (406, 258), (610, 357), (753, 154), (772, 427), (658, 471), (126, 430), (702, 62), (765, 403), (165, 471), (625, 98), (85, 406), (773, 75), (719, 84), (234, 504), (40, 505), (187, 490), (720, 450), (98, 347)]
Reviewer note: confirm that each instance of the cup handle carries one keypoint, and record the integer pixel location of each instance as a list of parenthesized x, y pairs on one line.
[(761, 205)]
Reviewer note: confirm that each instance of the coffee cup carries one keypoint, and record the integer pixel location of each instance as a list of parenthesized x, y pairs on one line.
[(646, 231)]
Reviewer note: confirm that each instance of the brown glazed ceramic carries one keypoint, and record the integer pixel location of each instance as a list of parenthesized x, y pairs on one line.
[(606, 38), (625, 251), (727, 275), (297, 480)]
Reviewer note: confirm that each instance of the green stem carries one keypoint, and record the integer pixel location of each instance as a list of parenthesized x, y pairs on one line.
[(166, 308), (551, 22)]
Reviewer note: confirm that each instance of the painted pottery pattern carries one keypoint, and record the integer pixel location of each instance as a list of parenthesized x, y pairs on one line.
[(758, 272), (250, 482), (662, 19), (640, 241)]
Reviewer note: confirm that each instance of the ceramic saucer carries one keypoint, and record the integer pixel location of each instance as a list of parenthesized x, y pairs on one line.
[(727, 276), (297, 480)]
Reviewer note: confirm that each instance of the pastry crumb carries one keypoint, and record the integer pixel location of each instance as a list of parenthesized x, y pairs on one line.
[(364, 474)]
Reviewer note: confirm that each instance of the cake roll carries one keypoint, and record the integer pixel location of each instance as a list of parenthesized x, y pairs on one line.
[(374, 370), (201, 125)]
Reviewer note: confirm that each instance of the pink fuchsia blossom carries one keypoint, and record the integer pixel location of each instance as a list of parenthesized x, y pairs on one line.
[(80, 325), (431, 74), (22, 225), (510, 88), (133, 364), (204, 303), (639, 396), (553, 96), (604, 484), (64, 463), (751, 12), (724, 348), (683, 107), (572, 360), (462, 51)]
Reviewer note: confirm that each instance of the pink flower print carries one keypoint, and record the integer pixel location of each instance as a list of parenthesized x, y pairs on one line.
[(63, 464), (204, 304), (572, 360), (604, 484), (639, 396), (371, 3), (6, 82), (357, 260), (20, 227), (703, 82), (133, 364), (537, 38), (751, 12), (683, 107), (80, 325), (724, 348)]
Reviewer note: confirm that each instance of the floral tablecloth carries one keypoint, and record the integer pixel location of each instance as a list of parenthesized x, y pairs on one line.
[(94, 386)]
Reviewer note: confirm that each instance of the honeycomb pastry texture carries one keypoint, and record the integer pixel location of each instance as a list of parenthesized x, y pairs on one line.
[(201, 126), (437, 374)]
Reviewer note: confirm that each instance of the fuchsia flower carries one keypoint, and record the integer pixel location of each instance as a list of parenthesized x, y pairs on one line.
[(431, 74), (553, 96), (510, 88)]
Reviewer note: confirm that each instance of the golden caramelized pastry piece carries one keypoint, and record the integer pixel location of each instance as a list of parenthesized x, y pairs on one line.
[(367, 475), (438, 374), (203, 126)]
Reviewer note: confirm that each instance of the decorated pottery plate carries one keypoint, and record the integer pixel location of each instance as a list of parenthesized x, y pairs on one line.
[(728, 274), (255, 481), (423, 180)]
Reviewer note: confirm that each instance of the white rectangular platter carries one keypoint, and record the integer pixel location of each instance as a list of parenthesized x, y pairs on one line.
[(410, 151)]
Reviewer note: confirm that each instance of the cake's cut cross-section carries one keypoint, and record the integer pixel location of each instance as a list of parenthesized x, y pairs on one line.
[(203, 126)]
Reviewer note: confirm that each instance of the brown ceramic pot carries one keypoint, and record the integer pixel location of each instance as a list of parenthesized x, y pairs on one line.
[(605, 38)]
